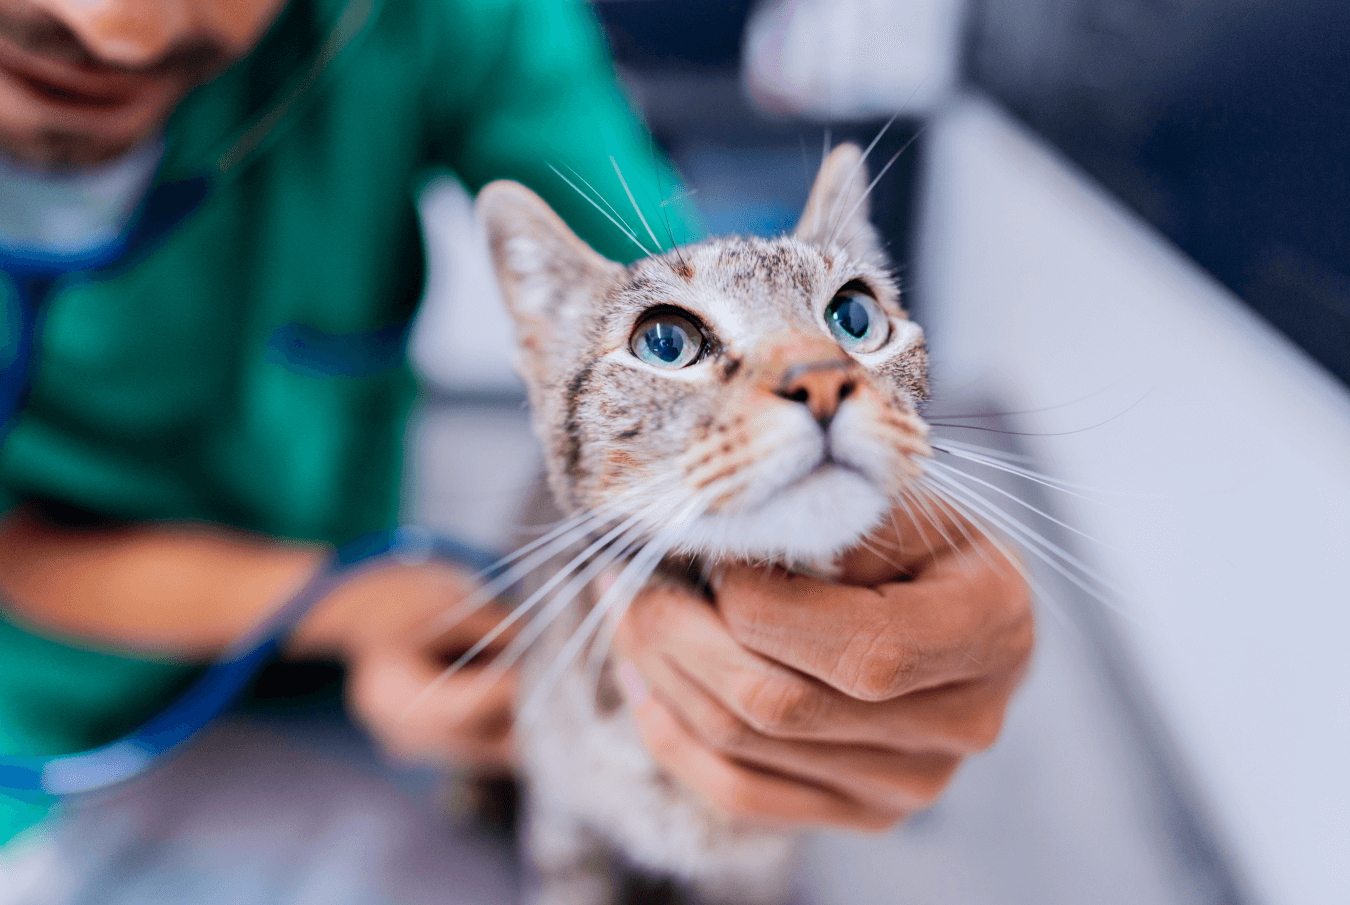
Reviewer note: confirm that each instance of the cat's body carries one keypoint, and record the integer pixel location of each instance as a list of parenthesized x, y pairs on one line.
[(740, 399), (597, 804)]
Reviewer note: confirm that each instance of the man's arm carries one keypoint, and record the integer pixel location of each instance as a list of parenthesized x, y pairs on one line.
[(187, 590), (184, 590)]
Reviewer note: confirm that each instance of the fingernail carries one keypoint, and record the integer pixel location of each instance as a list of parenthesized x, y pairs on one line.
[(633, 684)]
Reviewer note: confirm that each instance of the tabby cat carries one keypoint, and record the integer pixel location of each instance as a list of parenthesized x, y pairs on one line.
[(738, 399)]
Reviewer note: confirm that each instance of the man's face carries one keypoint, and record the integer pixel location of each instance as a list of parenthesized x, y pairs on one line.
[(82, 81)]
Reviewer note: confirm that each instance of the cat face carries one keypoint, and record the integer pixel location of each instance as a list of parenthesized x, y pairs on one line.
[(754, 398)]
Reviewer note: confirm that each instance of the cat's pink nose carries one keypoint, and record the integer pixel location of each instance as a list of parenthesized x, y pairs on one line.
[(821, 386)]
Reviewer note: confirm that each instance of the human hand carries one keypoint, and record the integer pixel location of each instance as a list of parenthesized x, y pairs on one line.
[(803, 702), (383, 625)]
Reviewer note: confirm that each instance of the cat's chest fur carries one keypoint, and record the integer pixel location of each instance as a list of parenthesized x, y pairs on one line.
[(738, 400), (598, 806)]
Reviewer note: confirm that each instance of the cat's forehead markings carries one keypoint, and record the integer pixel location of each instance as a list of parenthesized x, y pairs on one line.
[(683, 269), (746, 287)]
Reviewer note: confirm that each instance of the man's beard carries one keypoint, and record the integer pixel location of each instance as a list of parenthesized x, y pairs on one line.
[(56, 150), (47, 138)]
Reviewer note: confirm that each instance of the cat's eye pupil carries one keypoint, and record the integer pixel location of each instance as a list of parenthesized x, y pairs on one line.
[(666, 342), (851, 316), (857, 321)]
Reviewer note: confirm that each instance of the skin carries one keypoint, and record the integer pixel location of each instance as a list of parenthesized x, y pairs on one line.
[(83, 81), (790, 701), (799, 701), (187, 591)]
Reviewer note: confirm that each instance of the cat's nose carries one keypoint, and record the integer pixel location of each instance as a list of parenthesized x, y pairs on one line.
[(821, 386)]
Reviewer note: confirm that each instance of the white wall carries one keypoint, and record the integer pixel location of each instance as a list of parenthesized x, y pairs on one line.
[(1231, 529)]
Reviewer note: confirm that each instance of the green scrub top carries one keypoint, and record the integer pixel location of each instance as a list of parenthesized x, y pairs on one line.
[(249, 367)]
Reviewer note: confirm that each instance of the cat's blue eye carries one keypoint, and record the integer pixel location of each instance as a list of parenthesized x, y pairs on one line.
[(667, 340), (857, 321)]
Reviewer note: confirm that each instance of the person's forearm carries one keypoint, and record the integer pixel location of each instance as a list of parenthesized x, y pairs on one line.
[(170, 588)]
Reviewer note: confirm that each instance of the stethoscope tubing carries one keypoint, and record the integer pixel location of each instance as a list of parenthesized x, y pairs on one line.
[(44, 778), (166, 206), (222, 682)]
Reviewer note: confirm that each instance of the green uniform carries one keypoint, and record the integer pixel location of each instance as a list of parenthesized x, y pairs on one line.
[(248, 368)]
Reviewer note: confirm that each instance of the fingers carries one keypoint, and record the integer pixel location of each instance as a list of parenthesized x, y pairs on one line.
[(464, 719), (749, 793), (896, 781), (392, 604), (960, 618), (489, 625), (908, 540), (686, 653), (807, 701), (399, 687)]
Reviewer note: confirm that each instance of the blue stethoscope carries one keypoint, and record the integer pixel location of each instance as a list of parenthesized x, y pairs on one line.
[(44, 778)]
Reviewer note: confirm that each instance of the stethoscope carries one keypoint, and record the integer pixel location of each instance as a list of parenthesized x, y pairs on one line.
[(35, 275), (44, 778), (41, 778)]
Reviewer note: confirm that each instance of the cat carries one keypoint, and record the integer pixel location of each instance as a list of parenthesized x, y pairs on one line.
[(737, 399)]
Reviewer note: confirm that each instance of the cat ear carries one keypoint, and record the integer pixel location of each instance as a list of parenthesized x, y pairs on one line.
[(542, 266), (836, 212)]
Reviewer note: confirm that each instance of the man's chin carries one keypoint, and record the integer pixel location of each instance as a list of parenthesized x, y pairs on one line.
[(44, 136), (60, 150)]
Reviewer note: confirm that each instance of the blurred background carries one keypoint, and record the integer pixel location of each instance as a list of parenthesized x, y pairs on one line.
[(1125, 225)]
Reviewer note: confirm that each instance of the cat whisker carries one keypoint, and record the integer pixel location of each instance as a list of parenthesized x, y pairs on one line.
[(1033, 542), (543, 551), (623, 229), (895, 524), (933, 520), (1035, 411), (661, 208), (960, 451), (602, 621), (1011, 523), (628, 536), (605, 636), (960, 523), (629, 581), (618, 541), (562, 526), (989, 451), (903, 500), (880, 554), (530, 602), (678, 196), (598, 194), (608, 612), (633, 201), (994, 430), (857, 167), (957, 473), (979, 523), (873, 184), (1019, 472), (858, 232)]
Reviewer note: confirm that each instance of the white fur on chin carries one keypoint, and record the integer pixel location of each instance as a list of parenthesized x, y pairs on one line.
[(815, 519)]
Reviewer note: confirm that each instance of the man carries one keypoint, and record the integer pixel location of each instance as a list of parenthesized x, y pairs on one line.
[(220, 394)]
